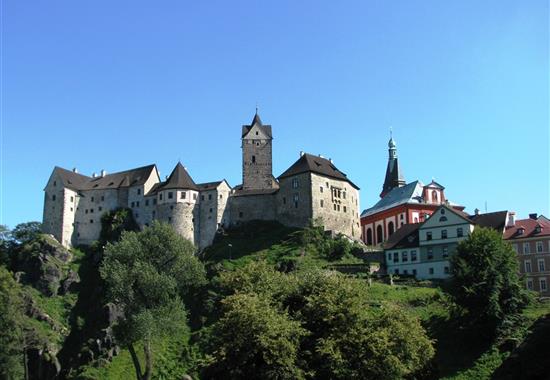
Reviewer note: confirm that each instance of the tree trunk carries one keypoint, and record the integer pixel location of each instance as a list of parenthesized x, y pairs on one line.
[(148, 360), (135, 360)]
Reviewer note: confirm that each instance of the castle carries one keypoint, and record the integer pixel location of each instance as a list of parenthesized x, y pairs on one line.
[(310, 189)]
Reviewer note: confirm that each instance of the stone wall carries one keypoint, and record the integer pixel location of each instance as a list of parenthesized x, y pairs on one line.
[(257, 162), (294, 200), (52, 222), (183, 217), (92, 204), (336, 203), (252, 207)]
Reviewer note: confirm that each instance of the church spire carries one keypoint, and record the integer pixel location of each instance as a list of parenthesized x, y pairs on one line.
[(394, 175)]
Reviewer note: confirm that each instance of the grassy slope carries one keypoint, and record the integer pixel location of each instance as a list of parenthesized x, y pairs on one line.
[(270, 241)]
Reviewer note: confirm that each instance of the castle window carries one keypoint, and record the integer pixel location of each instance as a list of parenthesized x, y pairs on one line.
[(71, 209), (327, 184), (169, 218), (202, 197), (321, 189), (102, 198), (253, 159), (540, 246), (154, 201), (91, 221), (72, 199), (428, 235), (345, 209), (137, 204), (86, 211), (195, 197), (170, 195), (132, 204), (526, 248), (55, 183), (171, 207), (160, 196), (334, 206), (430, 253), (445, 252), (209, 197), (431, 270), (404, 256), (182, 195), (413, 255), (154, 214), (240, 214), (221, 196), (459, 232), (295, 183), (92, 199), (256, 133), (443, 234), (147, 202), (210, 209), (402, 216), (98, 209), (344, 195), (284, 200), (138, 191), (321, 203), (337, 207)]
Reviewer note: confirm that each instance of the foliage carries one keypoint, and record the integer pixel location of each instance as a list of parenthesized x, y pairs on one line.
[(344, 336), (147, 274), (26, 232), (114, 223), (11, 336), (254, 340), (486, 282)]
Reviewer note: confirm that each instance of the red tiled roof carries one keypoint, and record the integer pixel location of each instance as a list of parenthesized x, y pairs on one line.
[(529, 225)]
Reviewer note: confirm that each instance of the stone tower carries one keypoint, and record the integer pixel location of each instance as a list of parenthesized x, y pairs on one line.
[(394, 175), (257, 162)]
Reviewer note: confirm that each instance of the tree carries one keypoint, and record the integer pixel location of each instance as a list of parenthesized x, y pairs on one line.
[(344, 336), (254, 340), (26, 232), (11, 336), (114, 222), (147, 274), (485, 281)]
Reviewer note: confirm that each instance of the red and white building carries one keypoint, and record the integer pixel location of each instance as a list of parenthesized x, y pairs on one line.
[(400, 203)]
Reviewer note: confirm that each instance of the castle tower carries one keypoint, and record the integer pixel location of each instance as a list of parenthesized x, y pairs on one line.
[(257, 161), (394, 175)]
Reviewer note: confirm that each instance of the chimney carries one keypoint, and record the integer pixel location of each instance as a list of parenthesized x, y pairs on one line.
[(476, 211), (94, 175), (330, 160), (103, 172), (321, 156), (511, 222), (533, 216), (301, 153), (75, 170)]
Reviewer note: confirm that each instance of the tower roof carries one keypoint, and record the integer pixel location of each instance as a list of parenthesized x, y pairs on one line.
[(394, 175), (256, 121), (179, 179)]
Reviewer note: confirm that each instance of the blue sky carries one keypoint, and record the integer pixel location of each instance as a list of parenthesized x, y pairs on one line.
[(120, 84)]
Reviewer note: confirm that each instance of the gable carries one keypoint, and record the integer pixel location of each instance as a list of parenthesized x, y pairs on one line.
[(256, 132), (442, 217)]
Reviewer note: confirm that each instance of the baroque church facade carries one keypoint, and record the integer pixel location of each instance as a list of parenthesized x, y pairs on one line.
[(312, 188)]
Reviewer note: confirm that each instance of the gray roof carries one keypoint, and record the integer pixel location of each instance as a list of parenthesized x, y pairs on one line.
[(210, 185), (133, 177), (495, 220), (404, 237), (239, 192), (394, 176), (256, 120), (315, 164), (410, 193), (179, 179)]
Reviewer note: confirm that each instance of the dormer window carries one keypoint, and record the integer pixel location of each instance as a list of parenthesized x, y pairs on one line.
[(538, 229), (521, 231)]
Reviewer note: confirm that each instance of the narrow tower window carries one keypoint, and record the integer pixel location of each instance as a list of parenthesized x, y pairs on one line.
[(253, 159)]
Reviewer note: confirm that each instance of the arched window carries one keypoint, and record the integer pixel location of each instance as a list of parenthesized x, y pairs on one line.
[(390, 228), (369, 236), (434, 196), (379, 235)]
